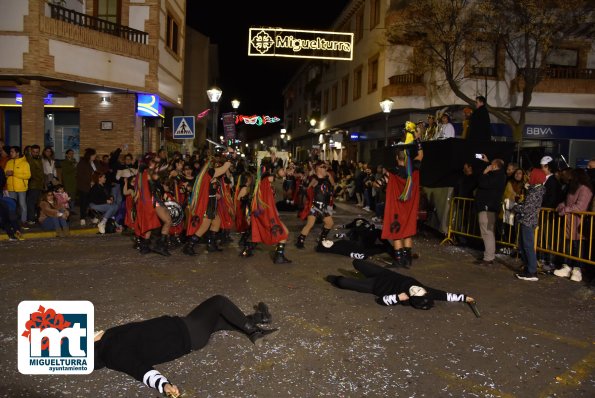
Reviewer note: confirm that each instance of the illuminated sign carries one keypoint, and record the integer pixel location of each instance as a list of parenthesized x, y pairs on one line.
[(48, 100), (257, 120), (148, 105), (277, 42)]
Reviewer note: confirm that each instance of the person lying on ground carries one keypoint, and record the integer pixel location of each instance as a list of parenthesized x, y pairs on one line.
[(392, 288), (134, 348)]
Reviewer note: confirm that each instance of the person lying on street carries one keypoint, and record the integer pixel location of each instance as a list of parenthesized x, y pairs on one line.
[(134, 348), (392, 288)]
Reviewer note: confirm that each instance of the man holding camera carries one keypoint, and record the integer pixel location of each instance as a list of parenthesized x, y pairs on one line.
[(488, 196)]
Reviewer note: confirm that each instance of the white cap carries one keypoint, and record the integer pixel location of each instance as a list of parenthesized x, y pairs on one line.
[(546, 160)]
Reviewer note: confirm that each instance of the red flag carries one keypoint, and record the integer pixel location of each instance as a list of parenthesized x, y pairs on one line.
[(266, 224)]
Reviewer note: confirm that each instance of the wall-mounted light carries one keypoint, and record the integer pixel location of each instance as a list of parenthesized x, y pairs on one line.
[(313, 122), (50, 116), (105, 99), (179, 99)]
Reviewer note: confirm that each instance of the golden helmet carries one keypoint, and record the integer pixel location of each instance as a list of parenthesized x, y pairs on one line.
[(410, 126)]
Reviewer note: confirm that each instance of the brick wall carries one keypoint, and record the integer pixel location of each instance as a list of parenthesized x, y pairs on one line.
[(121, 112), (33, 114)]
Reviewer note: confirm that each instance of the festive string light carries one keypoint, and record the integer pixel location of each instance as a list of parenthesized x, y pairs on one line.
[(256, 120)]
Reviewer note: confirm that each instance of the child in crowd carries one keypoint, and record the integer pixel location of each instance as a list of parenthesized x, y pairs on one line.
[(61, 196)]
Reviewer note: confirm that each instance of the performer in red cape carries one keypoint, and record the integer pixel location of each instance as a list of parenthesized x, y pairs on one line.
[(402, 204), (242, 213), (203, 207), (151, 212), (225, 208), (267, 227), (318, 204)]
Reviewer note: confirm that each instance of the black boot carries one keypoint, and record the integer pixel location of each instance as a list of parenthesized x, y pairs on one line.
[(188, 248), (227, 236), (407, 258), (280, 255), (137, 243), (160, 246), (248, 250), (323, 234), (256, 334), (243, 239), (397, 259), (300, 241), (212, 243), (261, 314), (144, 246)]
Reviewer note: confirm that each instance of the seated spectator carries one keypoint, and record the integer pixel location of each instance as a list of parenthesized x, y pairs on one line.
[(9, 221), (101, 200), (62, 198), (51, 216)]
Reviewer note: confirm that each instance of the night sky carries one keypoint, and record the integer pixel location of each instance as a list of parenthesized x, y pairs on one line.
[(256, 81)]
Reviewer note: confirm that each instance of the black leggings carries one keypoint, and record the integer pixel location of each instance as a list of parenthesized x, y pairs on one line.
[(214, 314), (369, 269)]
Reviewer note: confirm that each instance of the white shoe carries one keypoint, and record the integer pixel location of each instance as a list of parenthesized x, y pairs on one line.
[(576, 275), (83, 222), (366, 208), (563, 272), (101, 227)]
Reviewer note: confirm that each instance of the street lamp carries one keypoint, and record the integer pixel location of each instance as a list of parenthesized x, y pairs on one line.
[(386, 106), (214, 94), (235, 104)]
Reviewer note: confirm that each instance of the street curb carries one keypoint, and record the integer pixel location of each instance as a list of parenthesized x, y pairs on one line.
[(52, 234)]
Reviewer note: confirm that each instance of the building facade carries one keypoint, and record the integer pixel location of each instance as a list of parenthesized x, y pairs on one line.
[(90, 73), (332, 107)]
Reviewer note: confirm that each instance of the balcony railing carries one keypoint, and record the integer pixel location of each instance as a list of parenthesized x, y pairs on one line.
[(100, 25), (407, 78), (567, 73)]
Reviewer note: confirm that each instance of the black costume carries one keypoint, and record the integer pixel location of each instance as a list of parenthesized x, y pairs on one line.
[(321, 201), (387, 285), (363, 241), (134, 348)]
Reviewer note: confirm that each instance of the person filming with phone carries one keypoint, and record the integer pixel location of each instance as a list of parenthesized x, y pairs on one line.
[(488, 195)]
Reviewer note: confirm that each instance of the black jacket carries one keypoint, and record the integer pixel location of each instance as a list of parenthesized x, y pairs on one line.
[(389, 282), (553, 193), (99, 194), (134, 348), (490, 188), (480, 128)]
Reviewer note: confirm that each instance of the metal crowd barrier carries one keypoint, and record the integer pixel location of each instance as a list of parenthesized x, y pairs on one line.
[(556, 235)]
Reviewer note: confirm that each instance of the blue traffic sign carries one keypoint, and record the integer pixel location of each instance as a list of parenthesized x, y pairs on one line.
[(183, 127)]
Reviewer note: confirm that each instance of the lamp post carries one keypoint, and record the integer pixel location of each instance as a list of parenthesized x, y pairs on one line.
[(282, 135), (214, 94), (386, 106)]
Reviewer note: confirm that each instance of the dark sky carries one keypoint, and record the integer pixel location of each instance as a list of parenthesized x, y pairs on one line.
[(256, 81)]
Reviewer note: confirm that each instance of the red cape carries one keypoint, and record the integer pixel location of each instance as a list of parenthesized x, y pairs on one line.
[(241, 220), (146, 216), (224, 206), (200, 209), (308, 200), (266, 224), (128, 220), (400, 218)]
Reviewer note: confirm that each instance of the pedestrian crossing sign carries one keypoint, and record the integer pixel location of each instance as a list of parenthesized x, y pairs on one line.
[(183, 127)]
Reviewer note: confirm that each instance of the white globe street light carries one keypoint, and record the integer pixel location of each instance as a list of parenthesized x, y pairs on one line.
[(235, 104), (214, 95), (386, 106)]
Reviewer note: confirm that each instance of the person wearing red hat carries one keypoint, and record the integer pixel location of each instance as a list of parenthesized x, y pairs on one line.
[(528, 214)]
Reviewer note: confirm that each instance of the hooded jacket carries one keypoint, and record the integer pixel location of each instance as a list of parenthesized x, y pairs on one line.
[(19, 181)]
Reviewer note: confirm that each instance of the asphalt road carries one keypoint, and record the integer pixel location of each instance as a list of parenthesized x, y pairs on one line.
[(534, 339)]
